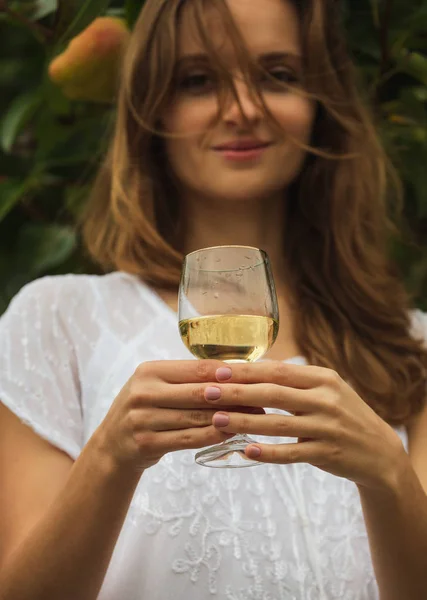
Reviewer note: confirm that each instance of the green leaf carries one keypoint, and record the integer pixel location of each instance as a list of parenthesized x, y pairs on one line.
[(11, 192), (418, 273), (414, 159), (84, 13), (14, 166), (414, 64), (375, 12), (56, 102), (417, 19), (79, 143), (412, 107), (38, 249), (45, 8), (67, 10), (118, 12), (43, 247), (133, 8), (21, 111), (10, 70), (75, 198)]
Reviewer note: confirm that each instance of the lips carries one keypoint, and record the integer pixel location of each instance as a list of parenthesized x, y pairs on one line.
[(243, 146), (243, 155)]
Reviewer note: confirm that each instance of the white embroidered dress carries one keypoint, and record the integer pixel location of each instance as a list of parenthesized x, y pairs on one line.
[(274, 532)]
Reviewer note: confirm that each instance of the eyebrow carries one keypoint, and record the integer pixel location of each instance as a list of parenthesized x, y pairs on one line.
[(262, 58)]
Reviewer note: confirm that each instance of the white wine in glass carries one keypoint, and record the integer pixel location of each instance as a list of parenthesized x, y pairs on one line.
[(228, 311)]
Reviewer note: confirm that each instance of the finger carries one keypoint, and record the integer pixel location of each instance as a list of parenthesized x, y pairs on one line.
[(314, 453), (159, 443), (267, 395), (272, 425), (180, 371), (169, 419), (296, 376), (164, 419), (177, 396)]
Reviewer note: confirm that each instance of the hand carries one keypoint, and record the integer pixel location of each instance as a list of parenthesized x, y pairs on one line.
[(161, 409), (338, 432)]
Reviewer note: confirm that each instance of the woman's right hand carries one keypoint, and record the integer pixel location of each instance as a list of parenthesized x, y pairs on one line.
[(161, 409)]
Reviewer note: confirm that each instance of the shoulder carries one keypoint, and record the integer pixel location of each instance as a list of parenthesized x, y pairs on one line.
[(417, 428), (70, 291), (83, 310), (418, 320)]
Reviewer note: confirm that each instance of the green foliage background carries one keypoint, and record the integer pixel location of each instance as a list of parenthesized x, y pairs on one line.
[(50, 146)]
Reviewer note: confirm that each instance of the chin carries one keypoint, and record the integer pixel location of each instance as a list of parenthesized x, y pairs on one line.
[(248, 190), (242, 195)]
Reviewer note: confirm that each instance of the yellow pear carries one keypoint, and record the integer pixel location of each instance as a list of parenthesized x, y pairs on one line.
[(88, 68)]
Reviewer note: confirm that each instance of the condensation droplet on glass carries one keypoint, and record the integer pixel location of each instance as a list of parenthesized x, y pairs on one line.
[(216, 296), (218, 260)]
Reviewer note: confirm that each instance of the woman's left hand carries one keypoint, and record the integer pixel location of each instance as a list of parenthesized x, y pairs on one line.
[(337, 431)]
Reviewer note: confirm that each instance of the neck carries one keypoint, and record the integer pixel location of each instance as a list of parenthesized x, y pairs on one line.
[(258, 224)]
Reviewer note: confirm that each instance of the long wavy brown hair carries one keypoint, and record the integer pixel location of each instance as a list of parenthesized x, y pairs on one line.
[(353, 313)]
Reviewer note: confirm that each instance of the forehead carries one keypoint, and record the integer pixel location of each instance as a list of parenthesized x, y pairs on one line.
[(266, 26)]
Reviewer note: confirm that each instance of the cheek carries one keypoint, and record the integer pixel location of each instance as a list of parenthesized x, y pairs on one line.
[(189, 117), (190, 120), (296, 115)]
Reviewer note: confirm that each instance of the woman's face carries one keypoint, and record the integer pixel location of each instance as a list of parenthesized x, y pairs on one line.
[(270, 26)]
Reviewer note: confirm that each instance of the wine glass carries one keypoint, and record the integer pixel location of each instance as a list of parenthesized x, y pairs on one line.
[(228, 311)]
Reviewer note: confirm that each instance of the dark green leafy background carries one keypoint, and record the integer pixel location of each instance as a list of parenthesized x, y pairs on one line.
[(50, 146)]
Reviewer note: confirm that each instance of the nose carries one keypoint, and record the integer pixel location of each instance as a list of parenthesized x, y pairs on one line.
[(251, 111)]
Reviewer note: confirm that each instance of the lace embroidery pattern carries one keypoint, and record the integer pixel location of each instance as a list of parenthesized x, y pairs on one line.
[(208, 510), (67, 346)]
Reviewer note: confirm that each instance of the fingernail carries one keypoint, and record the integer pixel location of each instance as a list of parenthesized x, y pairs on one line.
[(253, 452), (223, 374), (221, 420), (212, 393)]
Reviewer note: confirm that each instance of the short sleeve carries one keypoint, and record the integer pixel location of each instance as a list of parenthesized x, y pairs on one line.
[(419, 325), (39, 379)]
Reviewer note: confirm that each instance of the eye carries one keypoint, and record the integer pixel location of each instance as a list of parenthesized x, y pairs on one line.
[(198, 82), (282, 76)]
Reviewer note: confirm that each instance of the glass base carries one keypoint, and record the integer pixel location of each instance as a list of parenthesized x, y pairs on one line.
[(228, 455)]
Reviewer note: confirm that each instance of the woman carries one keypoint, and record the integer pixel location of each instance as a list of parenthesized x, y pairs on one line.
[(101, 495)]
